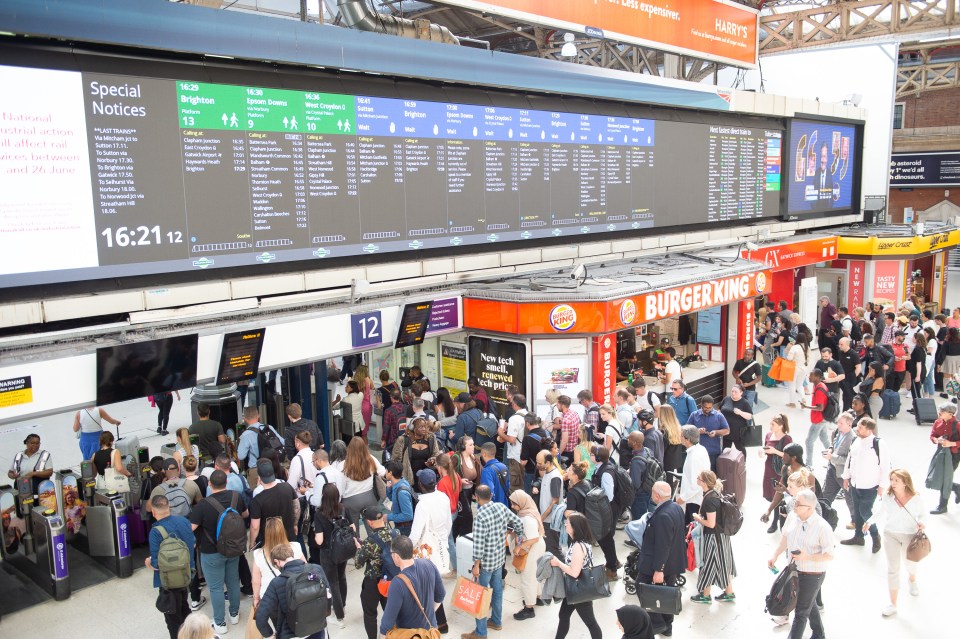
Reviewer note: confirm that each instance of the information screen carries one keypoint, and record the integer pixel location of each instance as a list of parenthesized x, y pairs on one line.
[(822, 167), (413, 324), (132, 371), (240, 356), (119, 175)]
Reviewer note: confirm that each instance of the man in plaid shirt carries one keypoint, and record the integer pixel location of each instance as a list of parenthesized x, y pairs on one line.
[(591, 412), (489, 554), (569, 429)]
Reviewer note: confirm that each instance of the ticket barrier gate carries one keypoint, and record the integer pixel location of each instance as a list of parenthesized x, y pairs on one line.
[(49, 534), (108, 531)]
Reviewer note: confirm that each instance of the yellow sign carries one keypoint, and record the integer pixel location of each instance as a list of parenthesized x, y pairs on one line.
[(896, 246), (14, 392)]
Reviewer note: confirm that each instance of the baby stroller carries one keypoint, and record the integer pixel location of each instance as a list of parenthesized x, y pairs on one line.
[(631, 574)]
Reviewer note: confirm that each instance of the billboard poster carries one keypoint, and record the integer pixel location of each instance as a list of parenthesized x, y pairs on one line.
[(498, 363), (565, 373), (925, 169), (886, 282), (453, 367)]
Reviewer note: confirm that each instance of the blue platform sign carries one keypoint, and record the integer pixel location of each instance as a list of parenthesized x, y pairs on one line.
[(366, 329)]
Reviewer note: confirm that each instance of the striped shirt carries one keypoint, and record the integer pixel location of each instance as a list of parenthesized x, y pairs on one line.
[(489, 532), (812, 536)]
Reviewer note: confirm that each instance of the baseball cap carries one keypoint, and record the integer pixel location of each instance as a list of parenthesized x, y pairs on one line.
[(899, 334), (371, 513), (265, 470), (169, 463), (463, 398), (427, 477)]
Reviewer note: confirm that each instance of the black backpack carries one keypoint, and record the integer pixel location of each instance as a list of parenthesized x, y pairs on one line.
[(829, 513), (545, 441), (266, 440), (783, 595), (623, 490), (598, 512), (831, 410), (729, 517), (231, 539), (307, 602), (342, 542)]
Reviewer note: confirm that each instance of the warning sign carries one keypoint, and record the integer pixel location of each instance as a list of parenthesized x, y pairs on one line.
[(14, 392)]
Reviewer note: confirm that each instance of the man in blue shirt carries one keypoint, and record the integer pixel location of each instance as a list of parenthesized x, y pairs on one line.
[(402, 610), (495, 474), (400, 495), (178, 528), (248, 449), (682, 404), (713, 426)]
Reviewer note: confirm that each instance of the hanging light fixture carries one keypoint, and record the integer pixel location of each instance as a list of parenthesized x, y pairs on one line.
[(569, 49)]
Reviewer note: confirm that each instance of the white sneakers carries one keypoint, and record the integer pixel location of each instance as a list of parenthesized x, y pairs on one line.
[(781, 621), (196, 605), (341, 624), (889, 611), (220, 629), (914, 588), (235, 619)]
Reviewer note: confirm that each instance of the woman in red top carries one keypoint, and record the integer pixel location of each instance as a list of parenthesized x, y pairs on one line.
[(946, 433), (450, 485)]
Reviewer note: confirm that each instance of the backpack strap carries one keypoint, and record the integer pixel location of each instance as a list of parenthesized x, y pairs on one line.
[(406, 580), (162, 531), (44, 458), (17, 460)]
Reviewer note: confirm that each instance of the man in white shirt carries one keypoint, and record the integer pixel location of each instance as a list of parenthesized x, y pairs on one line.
[(625, 413), (302, 471), (910, 332), (511, 434), (672, 369), (33, 464), (697, 461), (325, 474), (866, 476), (646, 399), (846, 322)]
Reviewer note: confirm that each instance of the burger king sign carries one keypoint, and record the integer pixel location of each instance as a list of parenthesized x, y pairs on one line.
[(563, 317)]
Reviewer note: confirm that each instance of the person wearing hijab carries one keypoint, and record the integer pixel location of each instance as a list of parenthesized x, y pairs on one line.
[(533, 546), (634, 622)]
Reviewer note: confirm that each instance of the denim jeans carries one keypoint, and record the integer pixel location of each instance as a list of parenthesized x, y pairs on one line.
[(750, 396), (219, 570), (493, 579), (929, 387), (807, 607), (452, 544), (863, 499), (641, 504), (820, 430)]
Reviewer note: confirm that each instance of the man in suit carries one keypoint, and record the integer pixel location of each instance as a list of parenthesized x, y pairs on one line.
[(663, 556), (823, 181)]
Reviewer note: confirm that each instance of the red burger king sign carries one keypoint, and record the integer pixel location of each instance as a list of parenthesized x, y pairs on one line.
[(563, 317)]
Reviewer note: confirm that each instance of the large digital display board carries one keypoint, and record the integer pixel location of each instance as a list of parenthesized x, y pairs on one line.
[(108, 175), (823, 167)]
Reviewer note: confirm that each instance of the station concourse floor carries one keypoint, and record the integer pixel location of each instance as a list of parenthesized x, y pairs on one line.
[(854, 592)]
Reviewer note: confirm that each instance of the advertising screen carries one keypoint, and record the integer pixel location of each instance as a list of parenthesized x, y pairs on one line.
[(822, 173), (133, 371), (122, 175)]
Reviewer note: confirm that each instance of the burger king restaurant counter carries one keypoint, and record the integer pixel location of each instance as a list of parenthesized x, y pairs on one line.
[(563, 324)]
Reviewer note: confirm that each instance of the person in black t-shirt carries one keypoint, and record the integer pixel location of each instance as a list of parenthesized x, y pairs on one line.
[(530, 447), (747, 372), (278, 499), (209, 432), (739, 415), (850, 362), (832, 371)]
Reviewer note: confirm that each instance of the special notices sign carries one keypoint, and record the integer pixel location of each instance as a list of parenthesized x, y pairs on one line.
[(498, 363), (16, 391)]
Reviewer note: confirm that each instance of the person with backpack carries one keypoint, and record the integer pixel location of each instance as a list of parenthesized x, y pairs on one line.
[(297, 423), (297, 601), (263, 569), (697, 460), (223, 540), (836, 457), (336, 538), (416, 449), (468, 416), (171, 558), (530, 447), (867, 475), (824, 409), (431, 529), (549, 494), (181, 493), (494, 474), (510, 434), (401, 496), (645, 471), (253, 440), (374, 557), (809, 542), (605, 477), (681, 402), (717, 566), (274, 498)]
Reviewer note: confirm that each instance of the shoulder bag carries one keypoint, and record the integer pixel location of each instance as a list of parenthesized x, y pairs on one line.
[(589, 585), (919, 546), (414, 633)]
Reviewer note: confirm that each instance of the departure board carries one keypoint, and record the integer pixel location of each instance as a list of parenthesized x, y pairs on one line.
[(240, 356), (111, 176)]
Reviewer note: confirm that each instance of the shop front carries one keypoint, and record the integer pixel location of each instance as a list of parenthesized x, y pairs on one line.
[(890, 269), (790, 263), (582, 336)]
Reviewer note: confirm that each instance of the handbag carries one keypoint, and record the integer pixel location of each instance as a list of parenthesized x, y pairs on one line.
[(414, 633), (589, 585), (113, 480), (251, 631), (166, 602), (919, 546), (519, 560), (660, 598), (783, 370), (379, 487), (472, 598)]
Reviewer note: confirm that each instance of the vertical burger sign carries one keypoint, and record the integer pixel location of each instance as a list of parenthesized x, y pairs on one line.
[(604, 368)]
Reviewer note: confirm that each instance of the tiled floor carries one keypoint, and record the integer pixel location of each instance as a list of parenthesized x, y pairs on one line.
[(854, 592)]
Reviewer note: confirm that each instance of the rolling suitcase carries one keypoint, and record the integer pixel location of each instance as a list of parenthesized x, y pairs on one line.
[(925, 410), (732, 471), (465, 556), (765, 379)]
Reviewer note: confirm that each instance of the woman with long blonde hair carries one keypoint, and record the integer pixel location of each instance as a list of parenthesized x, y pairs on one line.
[(717, 566), (903, 513), (184, 447), (262, 572), (196, 626), (361, 375), (673, 450), (582, 451)]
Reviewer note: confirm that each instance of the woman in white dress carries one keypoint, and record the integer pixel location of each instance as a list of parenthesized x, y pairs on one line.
[(263, 571)]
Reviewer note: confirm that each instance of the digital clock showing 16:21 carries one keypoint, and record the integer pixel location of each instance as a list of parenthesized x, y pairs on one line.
[(123, 236)]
